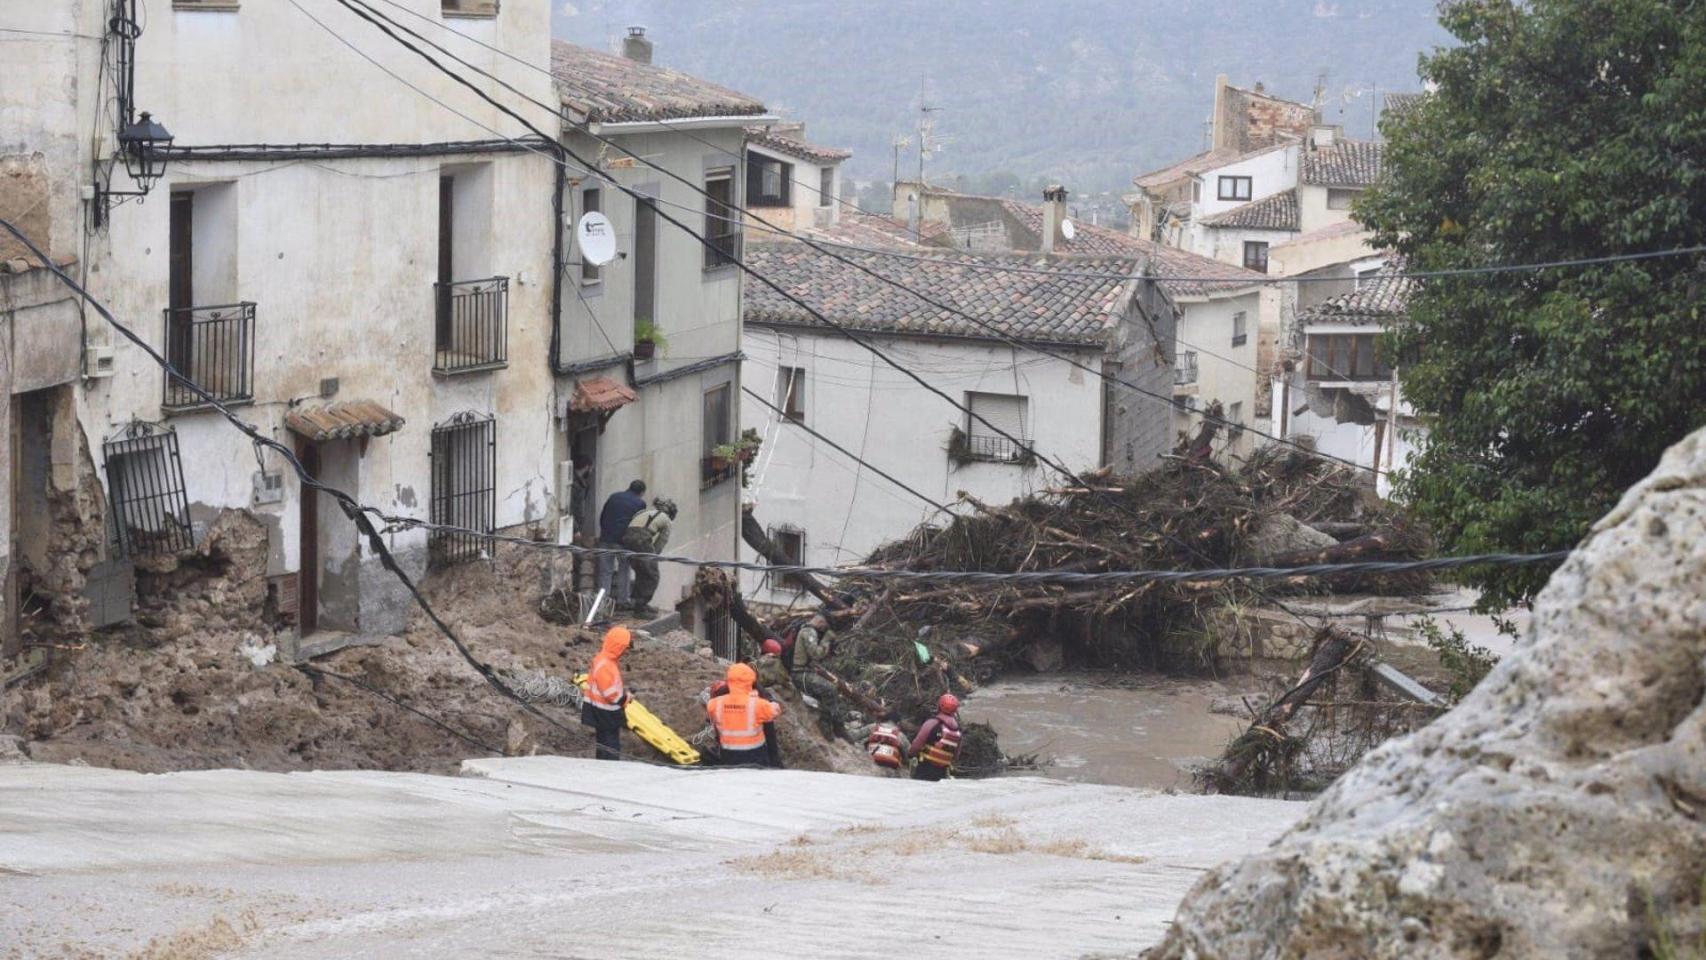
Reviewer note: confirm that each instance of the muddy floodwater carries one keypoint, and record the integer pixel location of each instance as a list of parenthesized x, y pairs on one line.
[(1123, 730)]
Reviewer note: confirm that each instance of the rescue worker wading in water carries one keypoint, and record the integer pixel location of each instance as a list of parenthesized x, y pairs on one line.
[(739, 717), (938, 741), (606, 695)]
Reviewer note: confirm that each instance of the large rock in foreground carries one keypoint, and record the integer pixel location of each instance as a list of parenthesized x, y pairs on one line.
[(1557, 812)]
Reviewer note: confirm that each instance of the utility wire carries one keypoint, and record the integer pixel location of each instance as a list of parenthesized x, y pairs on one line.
[(855, 457), (357, 512), (710, 245), (369, 14)]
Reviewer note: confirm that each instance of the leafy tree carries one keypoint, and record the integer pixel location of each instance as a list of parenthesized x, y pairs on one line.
[(1558, 129)]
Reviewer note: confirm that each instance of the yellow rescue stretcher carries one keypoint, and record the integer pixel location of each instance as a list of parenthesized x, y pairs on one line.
[(649, 728)]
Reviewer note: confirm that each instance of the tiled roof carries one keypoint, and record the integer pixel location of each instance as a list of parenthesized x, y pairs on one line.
[(1188, 268), (1278, 212), (600, 395), (1402, 104), (1209, 160), (1348, 163), (871, 230), (340, 421), (770, 140), (1375, 301), (604, 88), (1026, 306)]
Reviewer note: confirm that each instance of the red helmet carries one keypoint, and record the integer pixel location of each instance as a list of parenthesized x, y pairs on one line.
[(948, 703), (770, 647)]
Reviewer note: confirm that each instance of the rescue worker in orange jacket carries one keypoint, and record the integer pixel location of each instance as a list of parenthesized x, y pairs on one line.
[(739, 717), (606, 695), (938, 740)]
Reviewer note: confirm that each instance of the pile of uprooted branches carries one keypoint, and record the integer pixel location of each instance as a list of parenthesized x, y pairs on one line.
[(1313, 730), (900, 644)]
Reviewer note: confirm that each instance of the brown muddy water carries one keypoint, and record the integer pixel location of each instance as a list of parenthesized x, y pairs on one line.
[(1117, 729)]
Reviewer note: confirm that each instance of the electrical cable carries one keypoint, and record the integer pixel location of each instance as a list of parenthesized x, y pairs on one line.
[(369, 14), (709, 244)]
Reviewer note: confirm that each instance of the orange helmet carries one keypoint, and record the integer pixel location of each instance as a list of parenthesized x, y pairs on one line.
[(948, 703), (770, 647)]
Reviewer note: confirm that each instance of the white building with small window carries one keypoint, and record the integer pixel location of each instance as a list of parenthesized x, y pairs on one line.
[(791, 183), (822, 403)]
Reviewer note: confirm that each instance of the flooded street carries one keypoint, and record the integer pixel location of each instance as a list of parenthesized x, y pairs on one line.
[(1117, 729)]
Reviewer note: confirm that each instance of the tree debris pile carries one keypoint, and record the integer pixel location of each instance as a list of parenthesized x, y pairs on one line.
[(899, 645), (1315, 729)]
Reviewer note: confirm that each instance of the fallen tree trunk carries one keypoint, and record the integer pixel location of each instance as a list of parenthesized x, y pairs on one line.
[(1265, 744), (1383, 545), (753, 533)]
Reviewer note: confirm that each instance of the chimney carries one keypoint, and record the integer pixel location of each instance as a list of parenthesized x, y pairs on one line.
[(636, 47), (1054, 214), (1324, 135)]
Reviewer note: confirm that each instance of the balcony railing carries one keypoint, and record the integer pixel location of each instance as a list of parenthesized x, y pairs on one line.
[(1186, 370), (472, 331), (212, 348), (992, 450), (715, 470)]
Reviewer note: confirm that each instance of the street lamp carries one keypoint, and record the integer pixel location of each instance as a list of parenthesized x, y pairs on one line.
[(141, 145)]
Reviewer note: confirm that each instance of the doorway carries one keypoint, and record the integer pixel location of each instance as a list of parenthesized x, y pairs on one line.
[(308, 577)]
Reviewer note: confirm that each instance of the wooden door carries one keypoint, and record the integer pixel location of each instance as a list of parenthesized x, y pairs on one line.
[(180, 285), (308, 577)]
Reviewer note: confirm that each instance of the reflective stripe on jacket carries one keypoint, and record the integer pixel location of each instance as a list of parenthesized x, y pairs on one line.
[(604, 688), (740, 726)]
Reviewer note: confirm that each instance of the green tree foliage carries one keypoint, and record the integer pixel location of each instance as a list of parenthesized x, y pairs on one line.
[(1559, 129)]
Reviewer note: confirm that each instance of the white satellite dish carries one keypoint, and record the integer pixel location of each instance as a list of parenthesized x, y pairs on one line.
[(1067, 230), (596, 238)]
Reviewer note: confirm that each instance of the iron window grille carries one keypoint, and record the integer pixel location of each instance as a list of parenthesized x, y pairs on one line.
[(989, 416), (1186, 370), (464, 488), (212, 348), (716, 415), (472, 331), (145, 481)]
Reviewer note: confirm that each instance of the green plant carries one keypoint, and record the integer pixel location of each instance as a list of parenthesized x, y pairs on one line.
[(1467, 663), (645, 331), (1667, 943), (1557, 130)]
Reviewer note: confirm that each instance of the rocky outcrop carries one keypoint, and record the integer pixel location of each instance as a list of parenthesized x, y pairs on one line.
[(1559, 811)]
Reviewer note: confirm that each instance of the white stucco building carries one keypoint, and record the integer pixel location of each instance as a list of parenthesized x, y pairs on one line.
[(814, 390), (790, 182), (383, 283)]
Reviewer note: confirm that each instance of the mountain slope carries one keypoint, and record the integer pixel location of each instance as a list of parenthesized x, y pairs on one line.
[(1086, 91)]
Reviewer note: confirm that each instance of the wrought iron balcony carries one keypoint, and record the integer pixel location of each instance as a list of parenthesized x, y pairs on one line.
[(715, 470), (212, 348), (1185, 371), (472, 330), (992, 450)]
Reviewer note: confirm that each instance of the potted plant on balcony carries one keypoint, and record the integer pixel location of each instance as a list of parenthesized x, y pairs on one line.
[(648, 339)]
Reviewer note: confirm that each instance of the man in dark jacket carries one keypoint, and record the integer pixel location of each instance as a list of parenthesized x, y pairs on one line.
[(619, 511)]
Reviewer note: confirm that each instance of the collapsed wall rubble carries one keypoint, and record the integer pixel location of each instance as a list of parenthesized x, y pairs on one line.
[(1559, 811)]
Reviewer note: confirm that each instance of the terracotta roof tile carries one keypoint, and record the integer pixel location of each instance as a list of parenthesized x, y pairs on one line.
[(1348, 163), (1278, 212), (605, 88), (793, 147), (1093, 240), (600, 395), (1376, 300), (342, 421), (1026, 306)]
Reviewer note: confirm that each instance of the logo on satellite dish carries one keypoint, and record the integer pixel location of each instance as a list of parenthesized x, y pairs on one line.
[(1067, 230), (596, 238)]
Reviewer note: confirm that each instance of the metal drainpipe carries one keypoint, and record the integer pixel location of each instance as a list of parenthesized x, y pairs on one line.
[(557, 259)]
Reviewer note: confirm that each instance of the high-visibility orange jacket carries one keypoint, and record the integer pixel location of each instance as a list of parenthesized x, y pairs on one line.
[(740, 715), (604, 688)]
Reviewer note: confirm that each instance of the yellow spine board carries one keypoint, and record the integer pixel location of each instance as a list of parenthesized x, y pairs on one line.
[(649, 728)]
